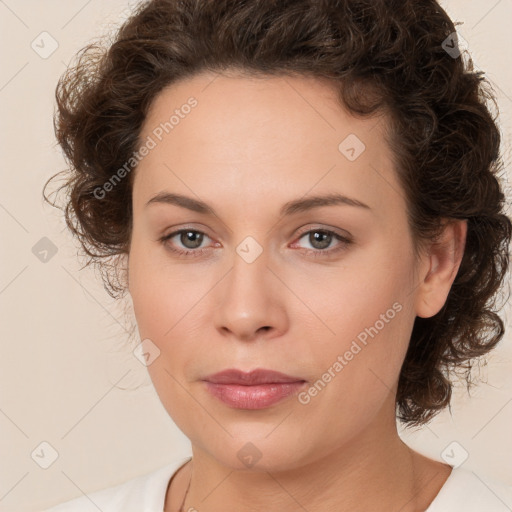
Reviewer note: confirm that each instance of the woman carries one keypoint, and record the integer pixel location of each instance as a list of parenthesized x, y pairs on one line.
[(301, 199)]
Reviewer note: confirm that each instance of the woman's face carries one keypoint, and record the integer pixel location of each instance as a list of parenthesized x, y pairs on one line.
[(263, 285)]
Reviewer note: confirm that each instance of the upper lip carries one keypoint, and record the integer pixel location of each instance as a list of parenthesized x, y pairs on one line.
[(254, 377)]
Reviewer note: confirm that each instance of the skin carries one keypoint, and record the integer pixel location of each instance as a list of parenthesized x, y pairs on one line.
[(248, 147)]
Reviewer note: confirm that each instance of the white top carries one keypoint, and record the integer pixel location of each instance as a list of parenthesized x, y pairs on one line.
[(463, 491)]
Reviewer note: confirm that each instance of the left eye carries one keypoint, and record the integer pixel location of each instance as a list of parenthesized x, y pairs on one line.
[(321, 239)]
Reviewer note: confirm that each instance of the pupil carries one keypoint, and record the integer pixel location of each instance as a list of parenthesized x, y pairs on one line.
[(188, 236), (323, 238)]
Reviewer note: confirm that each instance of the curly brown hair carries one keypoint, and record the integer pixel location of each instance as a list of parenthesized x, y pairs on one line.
[(383, 56)]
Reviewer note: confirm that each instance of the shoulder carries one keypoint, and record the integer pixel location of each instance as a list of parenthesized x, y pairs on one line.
[(470, 491), (145, 493)]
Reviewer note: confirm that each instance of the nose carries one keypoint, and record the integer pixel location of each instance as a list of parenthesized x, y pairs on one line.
[(249, 301)]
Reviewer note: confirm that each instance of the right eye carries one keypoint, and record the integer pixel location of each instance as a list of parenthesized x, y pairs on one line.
[(191, 239)]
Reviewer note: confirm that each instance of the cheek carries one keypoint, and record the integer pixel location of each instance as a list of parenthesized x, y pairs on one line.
[(161, 295), (369, 293), (169, 306), (357, 371), (163, 306), (367, 317)]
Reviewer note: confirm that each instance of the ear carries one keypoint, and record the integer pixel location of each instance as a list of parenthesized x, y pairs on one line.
[(439, 267)]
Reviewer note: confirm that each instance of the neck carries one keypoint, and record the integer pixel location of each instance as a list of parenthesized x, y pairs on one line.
[(376, 471)]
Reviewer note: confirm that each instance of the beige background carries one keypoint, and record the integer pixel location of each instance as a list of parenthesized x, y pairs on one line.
[(67, 377)]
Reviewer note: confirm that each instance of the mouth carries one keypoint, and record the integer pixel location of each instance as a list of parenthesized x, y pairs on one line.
[(257, 389)]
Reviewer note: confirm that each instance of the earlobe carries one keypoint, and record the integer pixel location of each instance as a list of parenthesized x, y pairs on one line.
[(443, 261)]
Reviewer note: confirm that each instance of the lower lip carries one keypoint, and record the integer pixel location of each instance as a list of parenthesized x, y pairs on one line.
[(253, 397)]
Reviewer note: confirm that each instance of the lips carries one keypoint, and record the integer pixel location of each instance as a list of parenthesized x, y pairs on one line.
[(257, 389), (254, 377)]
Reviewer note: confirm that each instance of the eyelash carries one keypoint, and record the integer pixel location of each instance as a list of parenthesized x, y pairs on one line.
[(344, 242)]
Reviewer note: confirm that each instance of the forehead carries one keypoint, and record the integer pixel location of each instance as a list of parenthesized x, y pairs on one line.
[(241, 135)]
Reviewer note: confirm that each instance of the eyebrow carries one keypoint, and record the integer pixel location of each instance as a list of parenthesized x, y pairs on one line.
[(289, 208)]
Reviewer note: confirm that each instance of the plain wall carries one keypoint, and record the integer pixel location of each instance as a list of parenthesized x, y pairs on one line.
[(66, 375)]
